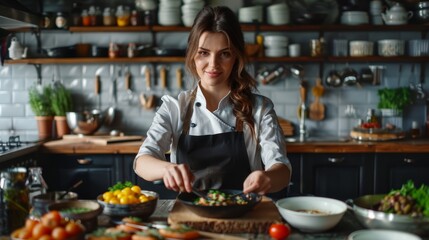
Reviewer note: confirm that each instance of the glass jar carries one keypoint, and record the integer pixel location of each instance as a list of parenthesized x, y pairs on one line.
[(14, 205), (86, 19), (113, 50), (122, 16), (61, 21), (47, 21), (35, 183), (135, 18), (108, 17)]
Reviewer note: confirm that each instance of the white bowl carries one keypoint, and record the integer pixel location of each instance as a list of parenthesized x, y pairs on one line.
[(382, 234), (275, 52), (354, 18), (275, 41), (391, 47), (332, 211), (361, 48)]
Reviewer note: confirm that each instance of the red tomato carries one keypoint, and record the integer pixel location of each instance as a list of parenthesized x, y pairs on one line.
[(30, 223), (279, 231), (73, 229), (59, 233), (51, 219), (39, 230)]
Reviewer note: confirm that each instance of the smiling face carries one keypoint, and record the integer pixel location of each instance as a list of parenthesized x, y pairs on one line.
[(214, 60)]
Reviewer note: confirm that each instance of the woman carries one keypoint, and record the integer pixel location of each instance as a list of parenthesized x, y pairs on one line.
[(221, 135)]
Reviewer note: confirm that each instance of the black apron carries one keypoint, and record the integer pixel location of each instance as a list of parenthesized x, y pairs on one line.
[(217, 161)]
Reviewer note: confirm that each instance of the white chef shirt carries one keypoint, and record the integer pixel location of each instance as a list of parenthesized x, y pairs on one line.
[(263, 151)]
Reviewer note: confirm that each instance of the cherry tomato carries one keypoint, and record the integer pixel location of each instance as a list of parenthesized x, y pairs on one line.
[(39, 230), (59, 233), (51, 219), (45, 237), (30, 223), (73, 229), (279, 231)]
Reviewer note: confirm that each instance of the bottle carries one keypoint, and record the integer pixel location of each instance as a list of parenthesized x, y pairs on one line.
[(35, 183), (135, 18), (92, 16), (47, 21), (415, 130), (14, 206), (75, 18), (122, 16), (86, 19)]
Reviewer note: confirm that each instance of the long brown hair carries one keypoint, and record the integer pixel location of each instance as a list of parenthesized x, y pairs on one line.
[(223, 20)]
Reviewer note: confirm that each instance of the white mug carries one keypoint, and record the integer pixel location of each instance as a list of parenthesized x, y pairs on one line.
[(294, 50)]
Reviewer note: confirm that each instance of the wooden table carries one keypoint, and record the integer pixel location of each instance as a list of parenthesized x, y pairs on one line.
[(347, 225)]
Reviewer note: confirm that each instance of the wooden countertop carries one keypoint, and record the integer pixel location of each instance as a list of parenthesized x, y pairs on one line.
[(132, 147)]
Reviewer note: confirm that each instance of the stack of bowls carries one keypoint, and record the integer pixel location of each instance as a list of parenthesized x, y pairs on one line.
[(278, 14), (190, 10), (354, 18), (169, 12), (275, 46), (361, 48), (251, 14), (391, 47)]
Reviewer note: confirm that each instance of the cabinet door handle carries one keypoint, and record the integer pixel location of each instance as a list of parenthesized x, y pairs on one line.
[(335, 160), (84, 161), (409, 160)]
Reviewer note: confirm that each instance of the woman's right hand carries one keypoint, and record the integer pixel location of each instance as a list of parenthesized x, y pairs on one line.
[(178, 177)]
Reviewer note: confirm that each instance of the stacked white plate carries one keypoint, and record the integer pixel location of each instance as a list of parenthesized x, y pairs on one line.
[(169, 13), (251, 14), (278, 14), (190, 10), (275, 45)]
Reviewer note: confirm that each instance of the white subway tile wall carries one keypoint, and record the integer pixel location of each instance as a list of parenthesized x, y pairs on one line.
[(15, 80)]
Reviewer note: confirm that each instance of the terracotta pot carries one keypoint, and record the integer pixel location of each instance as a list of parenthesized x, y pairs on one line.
[(44, 124), (61, 126)]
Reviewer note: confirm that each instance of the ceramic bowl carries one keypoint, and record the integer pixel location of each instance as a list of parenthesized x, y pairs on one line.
[(368, 234), (141, 210), (391, 47), (295, 211), (354, 18), (41, 202), (361, 48), (85, 211)]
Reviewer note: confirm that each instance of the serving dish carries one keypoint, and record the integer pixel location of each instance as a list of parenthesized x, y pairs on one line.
[(364, 206), (228, 211), (370, 234), (142, 210), (311, 213)]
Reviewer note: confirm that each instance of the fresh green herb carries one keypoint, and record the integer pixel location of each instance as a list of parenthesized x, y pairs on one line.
[(120, 186), (75, 210), (419, 194), (394, 98), (61, 100), (40, 100)]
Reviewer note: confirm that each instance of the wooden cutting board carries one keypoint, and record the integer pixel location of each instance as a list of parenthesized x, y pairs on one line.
[(257, 220), (102, 140)]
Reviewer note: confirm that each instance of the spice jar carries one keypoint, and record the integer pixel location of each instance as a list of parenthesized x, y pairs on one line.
[(47, 21), (86, 20), (108, 17), (135, 18), (61, 21), (75, 17), (14, 206), (132, 50), (415, 130), (113, 50), (92, 16), (122, 16)]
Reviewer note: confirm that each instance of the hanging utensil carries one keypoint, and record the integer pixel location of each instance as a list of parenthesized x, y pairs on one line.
[(70, 188), (420, 93), (130, 93), (163, 80), (317, 109), (302, 109), (147, 100), (412, 84), (98, 90)]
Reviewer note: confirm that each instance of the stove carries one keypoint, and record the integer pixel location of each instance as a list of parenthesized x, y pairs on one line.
[(15, 147)]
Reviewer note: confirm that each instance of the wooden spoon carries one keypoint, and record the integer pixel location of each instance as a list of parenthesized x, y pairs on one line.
[(303, 95), (317, 109)]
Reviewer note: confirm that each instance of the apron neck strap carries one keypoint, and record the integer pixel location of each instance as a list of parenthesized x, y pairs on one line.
[(190, 110)]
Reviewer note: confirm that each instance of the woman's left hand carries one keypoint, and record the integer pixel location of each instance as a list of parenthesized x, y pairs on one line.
[(258, 182)]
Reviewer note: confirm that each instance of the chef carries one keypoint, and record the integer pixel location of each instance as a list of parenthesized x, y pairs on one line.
[(221, 133)]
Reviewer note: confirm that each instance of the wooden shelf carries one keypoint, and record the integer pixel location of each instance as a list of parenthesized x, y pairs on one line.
[(267, 28), (95, 60)]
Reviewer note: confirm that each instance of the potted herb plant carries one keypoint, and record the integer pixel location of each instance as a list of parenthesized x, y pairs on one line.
[(61, 102), (393, 100), (40, 103)]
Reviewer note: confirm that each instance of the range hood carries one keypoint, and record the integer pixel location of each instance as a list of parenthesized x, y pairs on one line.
[(14, 15)]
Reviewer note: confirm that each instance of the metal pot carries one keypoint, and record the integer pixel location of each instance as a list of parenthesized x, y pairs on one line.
[(334, 79), (350, 77), (363, 210)]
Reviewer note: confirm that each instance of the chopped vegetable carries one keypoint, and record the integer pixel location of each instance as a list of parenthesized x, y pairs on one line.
[(409, 200)]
